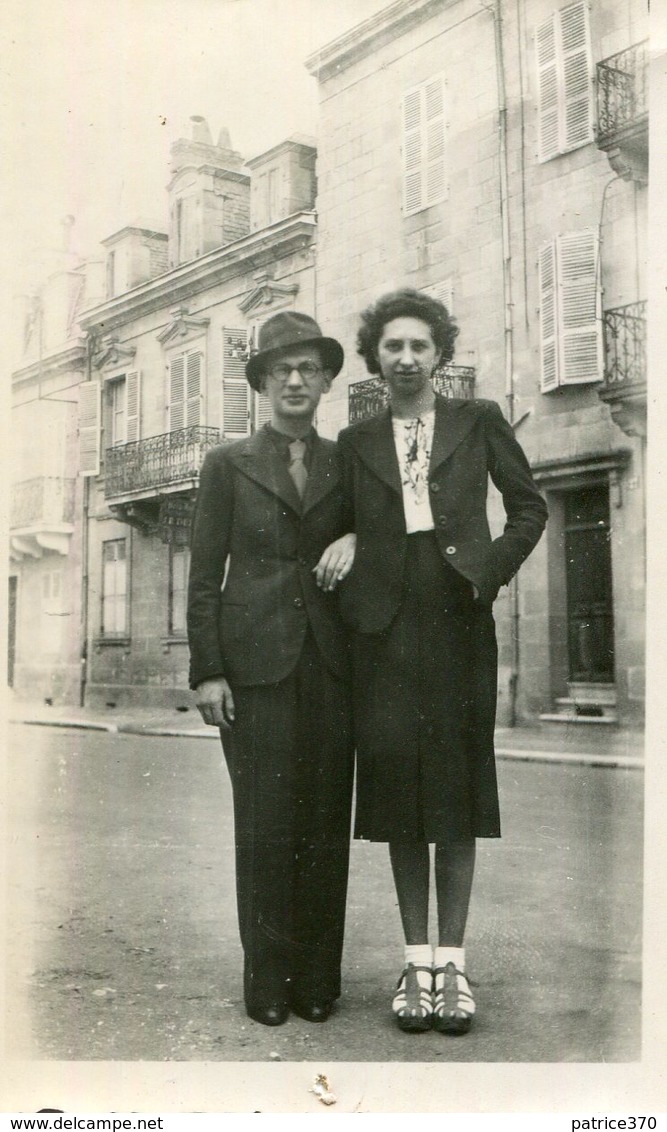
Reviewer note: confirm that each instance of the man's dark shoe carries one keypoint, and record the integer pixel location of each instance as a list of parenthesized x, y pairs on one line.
[(270, 1014), (311, 1009)]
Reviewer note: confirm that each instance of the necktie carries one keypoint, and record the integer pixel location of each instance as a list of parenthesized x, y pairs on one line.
[(297, 468)]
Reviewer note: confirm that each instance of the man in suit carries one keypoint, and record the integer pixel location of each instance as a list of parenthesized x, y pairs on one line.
[(269, 665)]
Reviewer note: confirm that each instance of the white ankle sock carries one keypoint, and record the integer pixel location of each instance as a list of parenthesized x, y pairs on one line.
[(420, 954), (444, 955)]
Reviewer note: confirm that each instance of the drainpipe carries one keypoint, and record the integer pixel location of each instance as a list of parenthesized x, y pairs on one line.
[(85, 513), (508, 307)]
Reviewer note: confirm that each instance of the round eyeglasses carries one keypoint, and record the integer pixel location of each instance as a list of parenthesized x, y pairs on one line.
[(281, 371)]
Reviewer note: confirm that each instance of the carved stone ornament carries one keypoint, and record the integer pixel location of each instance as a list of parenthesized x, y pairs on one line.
[(182, 326), (267, 293), (113, 354)]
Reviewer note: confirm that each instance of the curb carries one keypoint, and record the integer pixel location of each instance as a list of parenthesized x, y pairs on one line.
[(626, 762)]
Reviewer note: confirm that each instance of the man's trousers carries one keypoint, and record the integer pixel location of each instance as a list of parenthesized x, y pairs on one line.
[(290, 759)]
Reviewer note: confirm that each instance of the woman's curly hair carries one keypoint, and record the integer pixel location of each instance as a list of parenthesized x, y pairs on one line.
[(406, 303)]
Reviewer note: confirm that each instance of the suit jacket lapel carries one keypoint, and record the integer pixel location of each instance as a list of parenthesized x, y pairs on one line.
[(374, 444), (260, 460), (453, 421)]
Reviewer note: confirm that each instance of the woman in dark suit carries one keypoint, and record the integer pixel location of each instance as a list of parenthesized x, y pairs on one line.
[(419, 598)]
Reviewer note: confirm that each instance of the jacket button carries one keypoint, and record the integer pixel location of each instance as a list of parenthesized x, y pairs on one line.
[(450, 550), (442, 520), (298, 603), (434, 487)]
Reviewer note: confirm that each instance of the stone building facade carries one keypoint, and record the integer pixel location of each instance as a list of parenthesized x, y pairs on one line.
[(496, 155), (130, 367), (46, 601), (166, 382)]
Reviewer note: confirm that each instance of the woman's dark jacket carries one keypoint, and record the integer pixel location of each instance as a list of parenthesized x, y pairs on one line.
[(472, 441)]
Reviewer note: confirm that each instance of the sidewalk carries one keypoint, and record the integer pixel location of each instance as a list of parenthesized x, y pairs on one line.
[(542, 742)]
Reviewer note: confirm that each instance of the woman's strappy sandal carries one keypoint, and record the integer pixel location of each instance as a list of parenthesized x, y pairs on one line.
[(413, 1003), (454, 1004)]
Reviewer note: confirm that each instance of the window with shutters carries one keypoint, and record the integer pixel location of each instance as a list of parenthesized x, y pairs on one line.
[(89, 428), (423, 132), (185, 389), (235, 389), (114, 588), (243, 410), (565, 83), (179, 564), (570, 311), (122, 405)]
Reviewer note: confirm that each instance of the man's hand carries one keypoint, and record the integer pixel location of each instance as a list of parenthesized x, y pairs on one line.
[(336, 562), (215, 702)]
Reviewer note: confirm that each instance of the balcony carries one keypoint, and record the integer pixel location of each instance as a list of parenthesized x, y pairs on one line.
[(151, 483), (157, 464), (622, 107), (624, 383), (368, 397), (42, 516)]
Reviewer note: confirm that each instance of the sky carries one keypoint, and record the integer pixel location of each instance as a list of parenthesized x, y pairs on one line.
[(95, 91)]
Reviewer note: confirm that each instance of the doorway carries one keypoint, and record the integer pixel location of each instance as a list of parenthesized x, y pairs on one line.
[(588, 577)]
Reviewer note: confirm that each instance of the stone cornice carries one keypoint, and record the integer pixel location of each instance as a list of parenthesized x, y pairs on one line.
[(174, 287), (366, 37), (73, 357)]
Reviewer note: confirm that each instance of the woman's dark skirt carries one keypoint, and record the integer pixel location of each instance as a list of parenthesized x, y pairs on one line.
[(425, 704)]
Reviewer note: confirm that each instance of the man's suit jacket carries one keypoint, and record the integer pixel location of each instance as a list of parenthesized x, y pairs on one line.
[(248, 510), (472, 441)]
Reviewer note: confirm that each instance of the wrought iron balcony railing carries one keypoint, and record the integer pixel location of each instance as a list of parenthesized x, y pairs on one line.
[(622, 93), (43, 501), (625, 347), (158, 461), (368, 397)]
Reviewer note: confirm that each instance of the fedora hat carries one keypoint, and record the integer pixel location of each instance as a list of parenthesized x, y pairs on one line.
[(288, 330)]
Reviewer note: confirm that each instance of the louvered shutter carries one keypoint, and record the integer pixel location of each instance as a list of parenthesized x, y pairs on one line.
[(580, 327), (548, 90), (434, 130), (423, 122), (89, 428), (548, 338), (193, 387), (565, 117), (413, 175), (443, 292), (235, 388), (133, 405), (177, 393), (262, 410), (577, 110)]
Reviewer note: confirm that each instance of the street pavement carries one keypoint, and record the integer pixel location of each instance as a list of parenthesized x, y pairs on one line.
[(123, 940)]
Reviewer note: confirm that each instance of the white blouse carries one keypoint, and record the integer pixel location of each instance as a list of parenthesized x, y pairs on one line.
[(413, 438)]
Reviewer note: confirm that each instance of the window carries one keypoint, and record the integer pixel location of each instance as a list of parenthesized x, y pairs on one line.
[(111, 275), (185, 389), (570, 322), (564, 79), (423, 128), (114, 588), (179, 564), (185, 229), (243, 411), (122, 409)]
